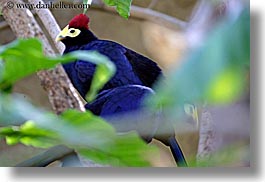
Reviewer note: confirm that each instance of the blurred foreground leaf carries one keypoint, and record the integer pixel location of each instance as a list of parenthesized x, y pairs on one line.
[(88, 134), (216, 72), (25, 57), (28, 134)]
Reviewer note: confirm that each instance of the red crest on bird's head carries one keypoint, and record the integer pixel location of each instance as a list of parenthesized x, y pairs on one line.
[(79, 21)]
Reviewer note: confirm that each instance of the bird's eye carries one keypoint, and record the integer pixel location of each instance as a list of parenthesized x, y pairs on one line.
[(72, 31)]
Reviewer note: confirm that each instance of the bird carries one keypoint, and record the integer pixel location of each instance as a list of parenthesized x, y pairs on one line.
[(132, 68), (125, 92)]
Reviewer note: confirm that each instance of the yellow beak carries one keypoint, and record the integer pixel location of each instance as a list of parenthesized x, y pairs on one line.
[(62, 35)]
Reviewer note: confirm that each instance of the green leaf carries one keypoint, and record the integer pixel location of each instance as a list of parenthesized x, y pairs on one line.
[(122, 151), (122, 6), (102, 144), (21, 58), (25, 57), (86, 133), (28, 134)]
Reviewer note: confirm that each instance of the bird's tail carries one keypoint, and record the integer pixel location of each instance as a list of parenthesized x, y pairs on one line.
[(177, 152)]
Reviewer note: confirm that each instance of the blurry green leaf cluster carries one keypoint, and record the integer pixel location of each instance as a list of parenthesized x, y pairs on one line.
[(20, 62), (89, 135), (28, 134), (122, 6), (21, 122), (216, 73)]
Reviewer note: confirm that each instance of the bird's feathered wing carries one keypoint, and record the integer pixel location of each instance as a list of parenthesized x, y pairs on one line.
[(146, 69), (132, 68)]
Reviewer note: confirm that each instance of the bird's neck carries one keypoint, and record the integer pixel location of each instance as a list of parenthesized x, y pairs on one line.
[(87, 36)]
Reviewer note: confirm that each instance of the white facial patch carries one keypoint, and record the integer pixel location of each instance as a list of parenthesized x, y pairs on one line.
[(72, 32)]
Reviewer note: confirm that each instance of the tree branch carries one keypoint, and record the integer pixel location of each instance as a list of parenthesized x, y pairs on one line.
[(49, 23), (207, 137)]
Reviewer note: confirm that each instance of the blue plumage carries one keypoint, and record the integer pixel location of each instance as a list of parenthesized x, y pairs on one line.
[(132, 68), (119, 100)]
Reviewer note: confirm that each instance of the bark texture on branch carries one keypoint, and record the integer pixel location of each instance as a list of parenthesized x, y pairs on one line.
[(208, 138), (61, 92)]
